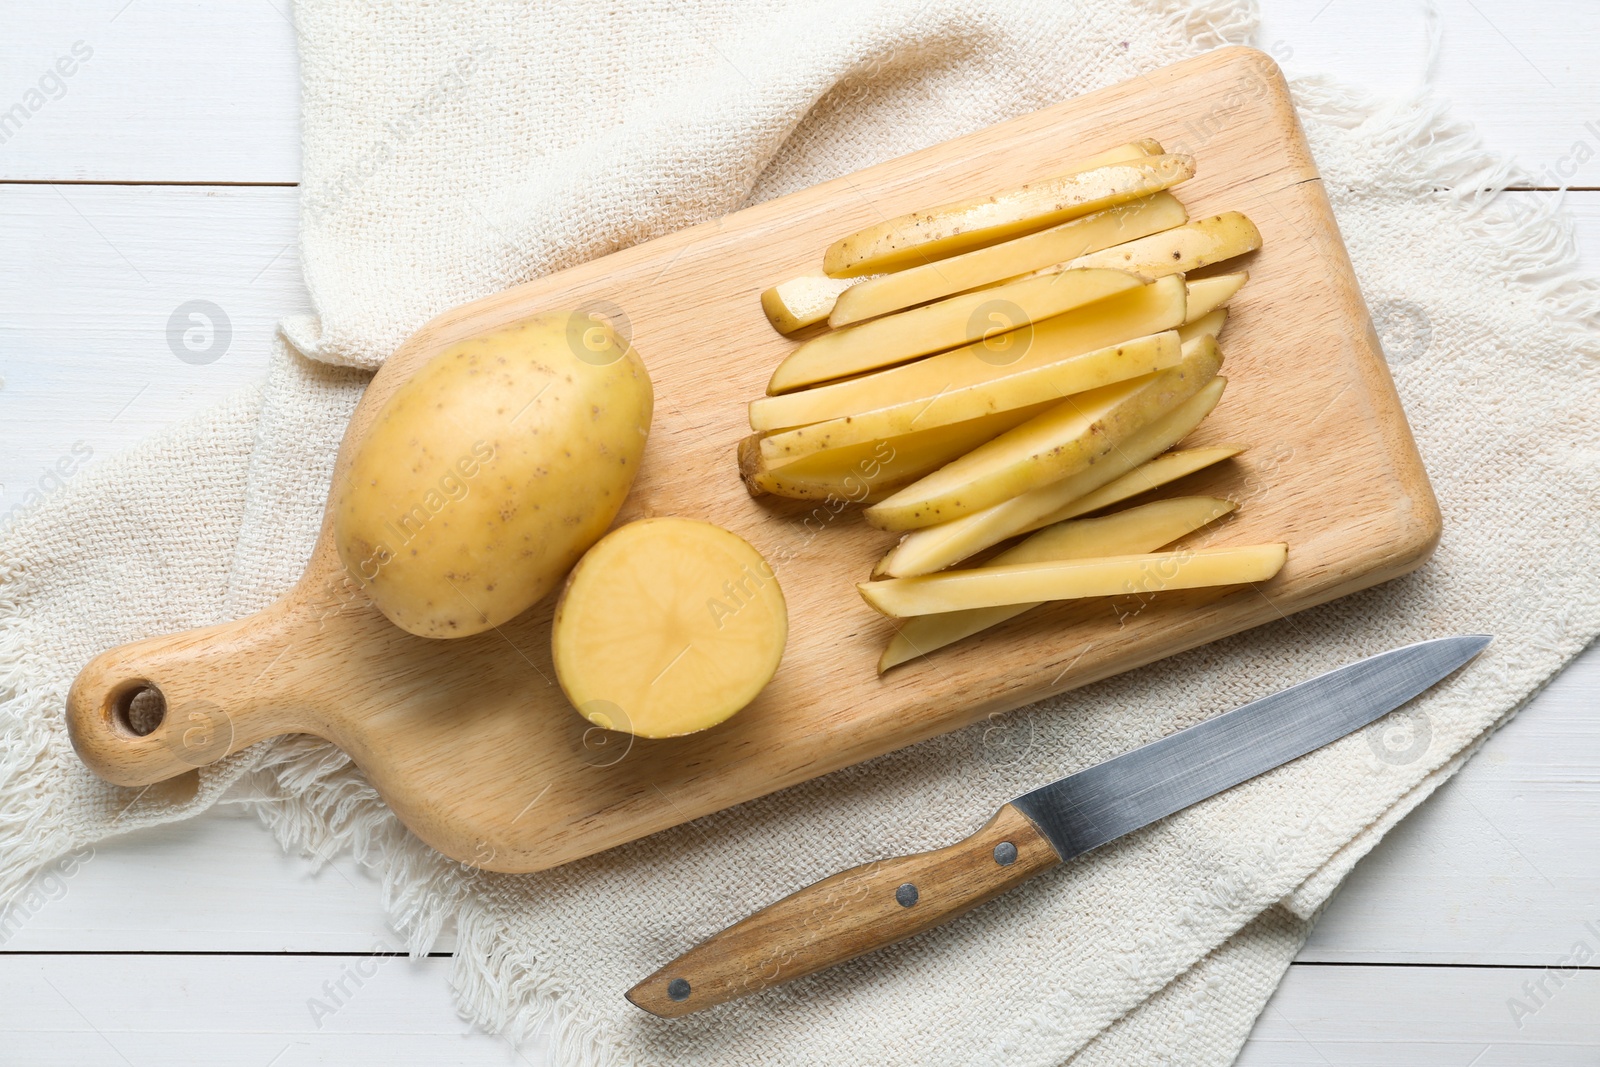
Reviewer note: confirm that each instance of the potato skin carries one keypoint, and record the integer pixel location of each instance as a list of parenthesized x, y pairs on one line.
[(487, 474)]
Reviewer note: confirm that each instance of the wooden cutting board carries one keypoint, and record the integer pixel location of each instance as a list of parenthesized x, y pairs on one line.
[(470, 740)]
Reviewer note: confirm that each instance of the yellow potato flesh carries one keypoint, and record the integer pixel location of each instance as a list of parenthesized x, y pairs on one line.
[(1006, 392), (1147, 476), (1207, 294), (1209, 325), (1147, 309), (924, 236), (803, 301), (1183, 248), (1139, 529), (1062, 442), (956, 320), (867, 472), (936, 547), (1009, 259), (668, 626), (486, 475), (1138, 574), (1122, 153)]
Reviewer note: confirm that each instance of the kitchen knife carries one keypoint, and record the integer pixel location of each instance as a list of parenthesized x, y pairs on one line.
[(879, 903)]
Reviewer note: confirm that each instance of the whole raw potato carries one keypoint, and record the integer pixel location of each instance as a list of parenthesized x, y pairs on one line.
[(486, 476)]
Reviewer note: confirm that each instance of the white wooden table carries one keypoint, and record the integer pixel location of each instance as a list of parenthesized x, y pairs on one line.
[(163, 170)]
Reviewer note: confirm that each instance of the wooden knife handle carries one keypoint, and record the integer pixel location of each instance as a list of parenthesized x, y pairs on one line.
[(847, 915)]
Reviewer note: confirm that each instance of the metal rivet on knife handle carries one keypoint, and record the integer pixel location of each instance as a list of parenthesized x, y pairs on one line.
[(848, 914), (678, 989)]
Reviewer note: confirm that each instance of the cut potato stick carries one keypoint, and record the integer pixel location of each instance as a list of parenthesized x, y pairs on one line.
[(1007, 260), (1005, 392), (1144, 528), (1205, 326), (1062, 442), (1181, 249), (1168, 467), (803, 301), (1032, 583), (800, 302), (935, 233), (867, 472), (1149, 309), (953, 321), (1139, 529), (1208, 294), (937, 547)]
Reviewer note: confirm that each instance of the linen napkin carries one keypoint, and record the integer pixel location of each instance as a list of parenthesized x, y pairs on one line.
[(454, 149)]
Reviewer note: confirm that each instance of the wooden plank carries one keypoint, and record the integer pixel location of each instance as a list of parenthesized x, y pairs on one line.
[(1585, 210), (85, 333), (1522, 72), (462, 781), (1485, 872), (1494, 867), (240, 1011), (209, 92), (158, 92), (220, 1011), (1428, 1017), (242, 893), (96, 286)]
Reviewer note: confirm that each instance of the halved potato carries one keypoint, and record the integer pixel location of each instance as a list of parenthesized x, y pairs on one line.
[(1208, 294), (924, 236), (1139, 529), (1209, 325), (934, 548), (1145, 310), (668, 626), (1181, 249), (867, 472), (1053, 446), (1033, 583), (989, 314), (1004, 392), (803, 301), (1009, 259)]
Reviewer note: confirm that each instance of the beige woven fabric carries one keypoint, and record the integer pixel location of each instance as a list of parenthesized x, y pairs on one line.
[(454, 149)]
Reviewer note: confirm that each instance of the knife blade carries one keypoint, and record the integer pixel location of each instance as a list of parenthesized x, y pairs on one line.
[(879, 903)]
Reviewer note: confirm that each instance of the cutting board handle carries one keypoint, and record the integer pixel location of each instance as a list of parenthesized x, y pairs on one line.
[(154, 709)]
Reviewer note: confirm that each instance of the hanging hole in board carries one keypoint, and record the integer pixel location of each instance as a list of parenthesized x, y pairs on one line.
[(138, 709)]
